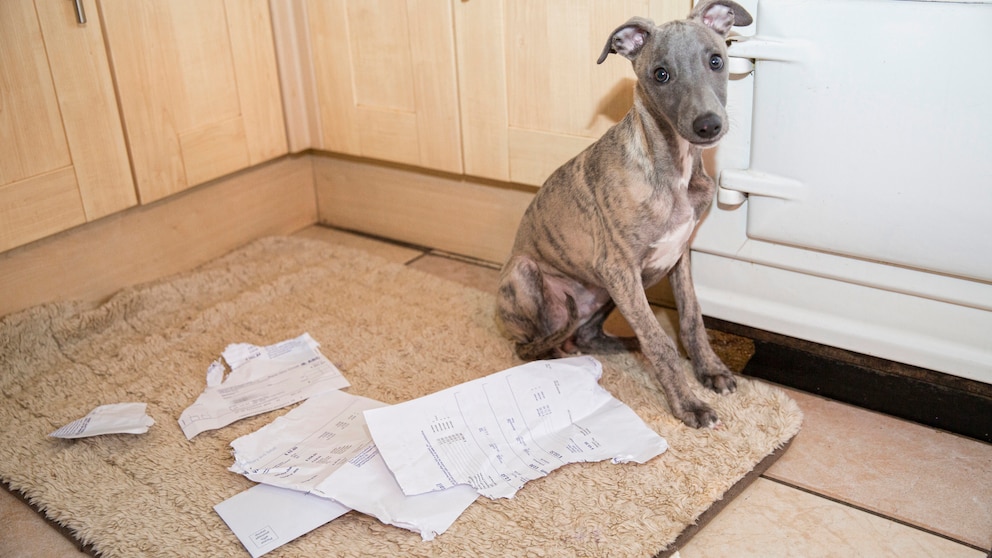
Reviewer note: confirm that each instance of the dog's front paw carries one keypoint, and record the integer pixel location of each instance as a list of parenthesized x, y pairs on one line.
[(698, 415), (719, 379)]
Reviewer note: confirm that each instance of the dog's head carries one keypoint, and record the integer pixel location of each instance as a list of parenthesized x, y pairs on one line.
[(681, 67)]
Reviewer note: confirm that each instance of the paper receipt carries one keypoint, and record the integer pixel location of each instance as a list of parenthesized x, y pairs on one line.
[(262, 379), (498, 432)]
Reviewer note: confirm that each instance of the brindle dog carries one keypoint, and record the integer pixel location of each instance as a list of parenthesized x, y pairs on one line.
[(618, 217)]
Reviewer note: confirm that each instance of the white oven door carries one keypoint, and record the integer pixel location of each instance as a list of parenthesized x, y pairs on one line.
[(856, 184)]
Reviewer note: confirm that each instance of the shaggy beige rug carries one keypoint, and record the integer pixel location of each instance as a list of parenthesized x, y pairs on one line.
[(396, 334)]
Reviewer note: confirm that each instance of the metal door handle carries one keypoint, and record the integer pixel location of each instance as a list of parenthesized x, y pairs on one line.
[(80, 14)]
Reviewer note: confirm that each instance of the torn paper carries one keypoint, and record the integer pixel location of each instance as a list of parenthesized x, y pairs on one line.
[(261, 379), (498, 432), (117, 418), (303, 447), (266, 517), (323, 447), (365, 484)]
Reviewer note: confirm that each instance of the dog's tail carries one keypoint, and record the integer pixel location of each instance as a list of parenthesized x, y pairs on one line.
[(552, 345)]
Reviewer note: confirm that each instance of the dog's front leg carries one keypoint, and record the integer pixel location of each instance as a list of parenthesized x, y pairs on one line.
[(661, 353), (710, 370)]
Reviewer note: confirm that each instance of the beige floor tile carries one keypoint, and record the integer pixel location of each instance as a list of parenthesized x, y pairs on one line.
[(772, 520), (938, 481), (469, 274), (25, 534), (384, 249)]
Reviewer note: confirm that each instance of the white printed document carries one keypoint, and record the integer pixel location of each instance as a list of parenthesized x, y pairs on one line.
[(261, 379), (498, 432), (323, 448), (366, 485), (303, 447), (266, 517), (116, 418)]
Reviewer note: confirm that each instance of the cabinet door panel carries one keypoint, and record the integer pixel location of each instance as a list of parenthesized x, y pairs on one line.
[(378, 30), (63, 161), (90, 114), (251, 35), (214, 150), (535, 154), (198, 88), (535, 83), (386, 135), (198, 36), (30, 124), (39, 206), (384, 73)]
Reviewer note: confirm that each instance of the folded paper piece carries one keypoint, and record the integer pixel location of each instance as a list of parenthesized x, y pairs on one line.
[(266, 517), (498, 432), (261, 379), (116, 418)]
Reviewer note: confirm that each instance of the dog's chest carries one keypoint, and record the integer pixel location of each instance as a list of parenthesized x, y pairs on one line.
[(667, 249), (664, 252)]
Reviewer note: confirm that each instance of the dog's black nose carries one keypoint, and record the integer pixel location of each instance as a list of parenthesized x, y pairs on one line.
[(707, 126)]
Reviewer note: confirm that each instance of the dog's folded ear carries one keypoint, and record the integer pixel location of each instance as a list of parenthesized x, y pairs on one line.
[(628, 39), (721, 15)]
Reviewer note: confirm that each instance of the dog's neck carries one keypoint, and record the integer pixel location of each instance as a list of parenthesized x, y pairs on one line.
[(659, 140)]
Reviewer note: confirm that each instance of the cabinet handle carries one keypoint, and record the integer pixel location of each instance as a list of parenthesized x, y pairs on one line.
[(80, 14)]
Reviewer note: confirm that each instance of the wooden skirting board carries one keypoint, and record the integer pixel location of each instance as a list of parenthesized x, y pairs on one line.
[(453, 213), (95, 260)]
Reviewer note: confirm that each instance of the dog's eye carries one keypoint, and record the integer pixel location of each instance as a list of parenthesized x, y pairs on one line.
[(716, 62), (661, 75)]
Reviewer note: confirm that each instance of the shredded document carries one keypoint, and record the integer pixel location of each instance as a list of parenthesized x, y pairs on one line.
[(261, 379), (418, 465), (303, 447), (498, 432), (323, 448), (116, 418)]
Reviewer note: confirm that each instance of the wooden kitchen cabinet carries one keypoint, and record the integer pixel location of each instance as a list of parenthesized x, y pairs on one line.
[(63, 160), (531, 94), (198, 87), (377, 78), (499, 89)]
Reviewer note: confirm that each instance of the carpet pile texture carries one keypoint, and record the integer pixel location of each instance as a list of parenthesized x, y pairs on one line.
[(396, 333)]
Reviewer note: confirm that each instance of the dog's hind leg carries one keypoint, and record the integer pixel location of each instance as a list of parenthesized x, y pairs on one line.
[(529, 312), (590, 337), (556, 344)]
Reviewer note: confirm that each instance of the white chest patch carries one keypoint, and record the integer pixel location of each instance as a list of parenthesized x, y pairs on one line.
[(668, 249)]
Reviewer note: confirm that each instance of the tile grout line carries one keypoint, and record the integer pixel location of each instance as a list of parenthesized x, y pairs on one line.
[(465, 259), (416, 258), (876, 514)]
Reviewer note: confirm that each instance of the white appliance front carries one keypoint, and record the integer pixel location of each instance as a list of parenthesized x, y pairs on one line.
[(856, 180)]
